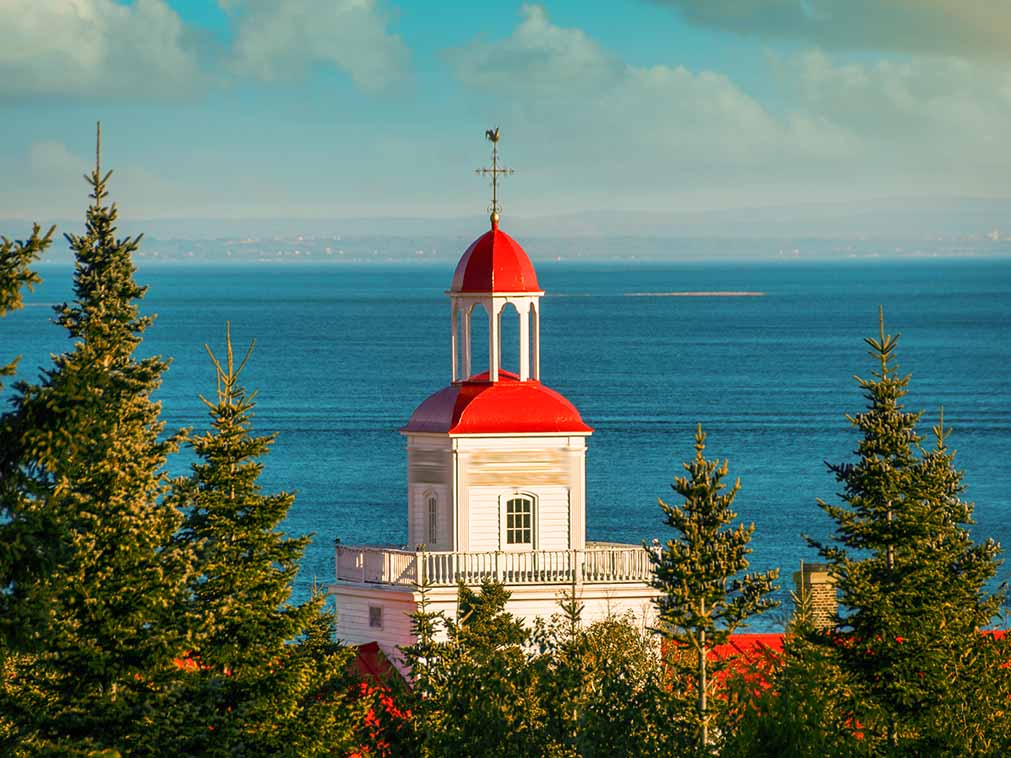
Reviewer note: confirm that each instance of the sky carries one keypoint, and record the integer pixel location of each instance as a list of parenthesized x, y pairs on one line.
[(241, 109)]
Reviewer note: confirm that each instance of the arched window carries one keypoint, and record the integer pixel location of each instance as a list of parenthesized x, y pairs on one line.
[(433, 520), (519, 521)]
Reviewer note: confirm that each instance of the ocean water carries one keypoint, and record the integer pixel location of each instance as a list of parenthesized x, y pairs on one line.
[(344, 354)]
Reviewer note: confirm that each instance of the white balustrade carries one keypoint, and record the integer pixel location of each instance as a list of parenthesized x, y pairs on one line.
[(598, 564)]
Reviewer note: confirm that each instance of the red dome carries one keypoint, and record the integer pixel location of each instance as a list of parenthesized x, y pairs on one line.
[(495, 262), (507, 406)]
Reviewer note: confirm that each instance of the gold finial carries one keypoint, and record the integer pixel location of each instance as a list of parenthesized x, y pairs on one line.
[(492, 136)]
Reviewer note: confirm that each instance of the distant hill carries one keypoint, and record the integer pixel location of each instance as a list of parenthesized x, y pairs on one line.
[(896, 226), (908, 218)]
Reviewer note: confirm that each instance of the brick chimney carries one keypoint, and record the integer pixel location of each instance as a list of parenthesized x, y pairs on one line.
[(814, 578)]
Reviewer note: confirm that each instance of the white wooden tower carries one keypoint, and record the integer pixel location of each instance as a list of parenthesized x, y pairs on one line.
[(495, 476)]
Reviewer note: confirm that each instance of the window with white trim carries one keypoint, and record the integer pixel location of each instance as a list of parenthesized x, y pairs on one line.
[(376, 616), (433, 520), (519, 523)]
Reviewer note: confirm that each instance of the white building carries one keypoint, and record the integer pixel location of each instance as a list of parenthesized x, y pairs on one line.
[(496, 481)]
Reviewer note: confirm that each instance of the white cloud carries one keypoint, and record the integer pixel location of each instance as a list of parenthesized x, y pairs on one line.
[(538, 58), (103, 48), (278, 40), (93, 47), (655, 126), (50, 160), (657, 132), (922, 116), (967, 28)]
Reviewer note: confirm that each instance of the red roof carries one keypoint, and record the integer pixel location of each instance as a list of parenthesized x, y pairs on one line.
[(748, 645), (507, 406), (495, 262), (370, 663)]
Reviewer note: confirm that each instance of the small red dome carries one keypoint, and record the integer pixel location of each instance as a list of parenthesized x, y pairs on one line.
[(495, 262), (507, 406)]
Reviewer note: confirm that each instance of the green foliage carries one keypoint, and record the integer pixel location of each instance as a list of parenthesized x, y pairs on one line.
[(790, 703), (606, 689), (268, 677), (16, 258), (423, 659), (704, 597), (909, 575), (19, 556), (478, 692), (486, 685), (488, 703), (87, 617), (978, 721)]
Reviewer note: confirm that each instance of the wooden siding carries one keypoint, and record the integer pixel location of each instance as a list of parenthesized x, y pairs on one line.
[(353, 617), (485, 519), (552, 516), (526, 603)]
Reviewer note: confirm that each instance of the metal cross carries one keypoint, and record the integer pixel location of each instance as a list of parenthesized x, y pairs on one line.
[(492, 136)]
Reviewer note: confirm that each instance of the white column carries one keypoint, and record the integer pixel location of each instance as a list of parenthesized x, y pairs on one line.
[(453, 341), (525, 343), (493, 342), (501, 309), (466, 342), (537, 340), (461, 498)]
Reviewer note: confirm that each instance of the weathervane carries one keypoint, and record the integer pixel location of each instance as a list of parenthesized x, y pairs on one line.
[(492, 136)]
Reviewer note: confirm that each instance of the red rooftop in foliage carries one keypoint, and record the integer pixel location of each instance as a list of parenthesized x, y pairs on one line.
[(495, 262), (507, 406), (370, 663)]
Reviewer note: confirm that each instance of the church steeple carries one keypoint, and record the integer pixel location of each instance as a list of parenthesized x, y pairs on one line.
[(494, 273)]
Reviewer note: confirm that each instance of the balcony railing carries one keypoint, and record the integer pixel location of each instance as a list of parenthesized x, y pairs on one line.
[(592, 565)]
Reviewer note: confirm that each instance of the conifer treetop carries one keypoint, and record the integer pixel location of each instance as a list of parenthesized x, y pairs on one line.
[(912, 582), (227, 376)]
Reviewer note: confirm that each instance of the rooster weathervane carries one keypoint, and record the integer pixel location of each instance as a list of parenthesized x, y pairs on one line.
[(495, 171)]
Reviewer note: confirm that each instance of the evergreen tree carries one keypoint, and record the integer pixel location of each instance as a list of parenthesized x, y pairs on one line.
[(604, 688), (16, 258), (910, 577), (427, 673), (268, 679), (482, 685), (18, 555), (82, 453), (796, 709), (704, 597)]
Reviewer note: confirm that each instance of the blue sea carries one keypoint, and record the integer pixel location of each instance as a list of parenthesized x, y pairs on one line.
[(344, 353)]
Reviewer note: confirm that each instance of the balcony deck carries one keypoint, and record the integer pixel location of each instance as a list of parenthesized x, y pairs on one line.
[(598, 563)]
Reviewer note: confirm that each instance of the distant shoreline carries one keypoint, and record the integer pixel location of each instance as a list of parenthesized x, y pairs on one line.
[(694, 294)]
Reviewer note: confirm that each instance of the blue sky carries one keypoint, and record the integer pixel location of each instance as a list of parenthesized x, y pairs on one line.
[(344, 108)]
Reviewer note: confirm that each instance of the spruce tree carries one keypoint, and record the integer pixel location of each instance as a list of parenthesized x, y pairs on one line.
[(17, 553), (268, 678), (16, 258), (910, 578), (82, 452), (704, 597)]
